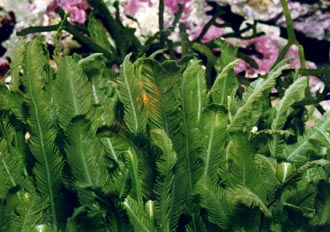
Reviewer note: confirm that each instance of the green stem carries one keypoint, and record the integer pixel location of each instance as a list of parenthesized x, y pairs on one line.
[(292, 40), (37, 29), (88, 42), (161, 9), (289, 22)]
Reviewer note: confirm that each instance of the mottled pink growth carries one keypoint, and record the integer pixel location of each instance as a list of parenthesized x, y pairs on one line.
[(76, 8), (266, 51), (133, 6), (174, 4), (212, 33)]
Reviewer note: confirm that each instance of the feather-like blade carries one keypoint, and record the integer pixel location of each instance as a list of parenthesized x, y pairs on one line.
[(312, 140), (16, 64), (137, 215), (73, 93), (193, 103), (214, 200), (131, 94), (252, 99), (161, 84), (245, 196), (226, 83), (214, 132), (292, 94), (49, 162), (85, 155), (164, 180)]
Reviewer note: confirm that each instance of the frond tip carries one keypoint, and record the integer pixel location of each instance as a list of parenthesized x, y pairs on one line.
[(131, 94)]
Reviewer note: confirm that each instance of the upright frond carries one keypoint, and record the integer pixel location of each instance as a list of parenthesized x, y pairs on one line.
[(104, 96), (28, 212), (314, 139), (16, 64), (85, 155), (244, 195), (137, 215), (214, 132), (226, 83), (292, 94), (164, 180), (131, 94), (214, 200), (253, 97), (49, 162), (72, 91), (12, 160), (193, 103), (162, 85), (11, 102)]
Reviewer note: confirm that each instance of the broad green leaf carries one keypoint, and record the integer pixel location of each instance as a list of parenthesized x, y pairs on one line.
[(72, 92), (282, 110), (11, 102), (259, 89), (137, 215), (161, 84), (85, 155), (244, 195), (226, 83), (133, 97), (313, 140), (98, 33), (16, 64), (193, 103), (49, 162), (214, 200), (104, 97), (214, 131), (164, 179)]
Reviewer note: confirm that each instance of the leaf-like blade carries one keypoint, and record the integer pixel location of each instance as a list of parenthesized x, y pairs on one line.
[(16, 64), (214, 200), (244, 195), (193, 93), (49, 162), (226, 83), (131, 94), (28, 212), (11, 102), (253, 97), (105, 98), (214, 132), (12, 168), (322, 216), (193, 103), (73, 93), (161, 83), (85, 155), (164, 180), (292, 94), (137, 215), (312, 140)]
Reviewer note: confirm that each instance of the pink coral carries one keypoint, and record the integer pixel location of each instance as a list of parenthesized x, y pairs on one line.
[(76, 8), (173, 5), (212, 33), (265, 51)]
